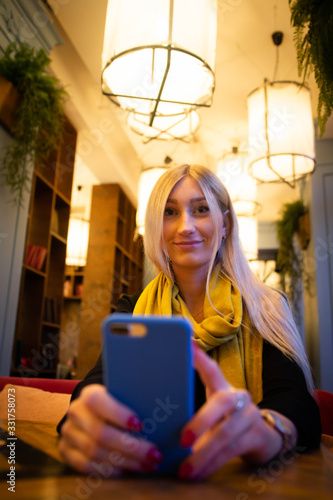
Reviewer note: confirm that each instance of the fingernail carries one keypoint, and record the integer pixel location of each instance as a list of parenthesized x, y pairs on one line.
[(149, 466), (134, 424), (187, 439), (185, 471), (154, 455)]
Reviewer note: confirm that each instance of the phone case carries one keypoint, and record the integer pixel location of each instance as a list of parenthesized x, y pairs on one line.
[(153, 374)]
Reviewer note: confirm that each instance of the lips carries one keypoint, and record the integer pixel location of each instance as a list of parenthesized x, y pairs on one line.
[(188, 244)]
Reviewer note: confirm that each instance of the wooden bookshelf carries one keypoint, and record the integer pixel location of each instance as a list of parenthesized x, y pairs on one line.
[(41, 291), (71, 314), (73, 283), (114, 267)]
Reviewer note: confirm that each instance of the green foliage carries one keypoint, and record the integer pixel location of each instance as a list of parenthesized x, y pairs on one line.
[(313, 20), (39, 118), (289, 262)]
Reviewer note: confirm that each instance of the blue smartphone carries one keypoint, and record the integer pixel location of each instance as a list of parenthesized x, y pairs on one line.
[(147, 364)]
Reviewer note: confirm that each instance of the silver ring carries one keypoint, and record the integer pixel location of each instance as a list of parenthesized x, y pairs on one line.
[(240, 401)]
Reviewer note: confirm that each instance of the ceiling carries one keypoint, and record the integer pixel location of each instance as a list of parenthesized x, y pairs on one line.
[(245, 55)]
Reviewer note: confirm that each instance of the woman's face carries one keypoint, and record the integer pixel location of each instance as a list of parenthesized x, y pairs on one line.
[(189, 228)]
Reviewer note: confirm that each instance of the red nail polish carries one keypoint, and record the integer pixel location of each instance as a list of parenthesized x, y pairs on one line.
[(134, 424), (149, 466), (187, 439), (185, 471), (154, 455)]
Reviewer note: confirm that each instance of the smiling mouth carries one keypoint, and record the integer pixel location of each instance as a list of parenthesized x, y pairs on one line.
[(188, 243)]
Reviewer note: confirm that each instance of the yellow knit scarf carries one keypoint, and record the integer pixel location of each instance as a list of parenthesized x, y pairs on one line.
[(235, 344)]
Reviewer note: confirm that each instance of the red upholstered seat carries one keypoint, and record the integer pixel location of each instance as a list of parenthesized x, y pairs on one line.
[(325, 403), (47, 384)]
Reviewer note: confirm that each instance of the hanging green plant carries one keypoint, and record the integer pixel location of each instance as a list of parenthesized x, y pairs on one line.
[(289, 261), (39, 118), (313, 20)]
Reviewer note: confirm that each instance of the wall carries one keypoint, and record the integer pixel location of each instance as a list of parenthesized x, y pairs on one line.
[(13, 221), (23, 21), (102, 146), (318, 260)]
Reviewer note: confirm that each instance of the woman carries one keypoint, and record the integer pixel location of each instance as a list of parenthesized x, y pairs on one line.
[(254, 385)]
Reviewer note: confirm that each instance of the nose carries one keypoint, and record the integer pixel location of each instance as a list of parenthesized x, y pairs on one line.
[(186, 223)]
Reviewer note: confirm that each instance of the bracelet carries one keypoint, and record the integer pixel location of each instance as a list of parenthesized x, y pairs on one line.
[(276, 423)]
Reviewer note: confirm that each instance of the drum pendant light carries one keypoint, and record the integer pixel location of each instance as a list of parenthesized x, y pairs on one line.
[(159, 55), (281, 132), (232, 170), (148, 179)]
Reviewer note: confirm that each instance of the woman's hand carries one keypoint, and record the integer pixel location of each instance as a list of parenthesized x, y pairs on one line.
[(96, 436), (228, 425)]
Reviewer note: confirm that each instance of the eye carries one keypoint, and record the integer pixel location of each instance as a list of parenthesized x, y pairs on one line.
[(169, 212), (201, 210)]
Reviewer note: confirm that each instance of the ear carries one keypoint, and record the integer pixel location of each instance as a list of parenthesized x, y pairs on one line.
[(226, 223)]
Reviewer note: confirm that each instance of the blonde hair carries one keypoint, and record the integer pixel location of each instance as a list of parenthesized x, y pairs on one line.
[(273, 318)]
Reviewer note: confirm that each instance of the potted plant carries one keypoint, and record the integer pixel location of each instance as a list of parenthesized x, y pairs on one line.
[(313, 20), (289, 260), (39, 115)]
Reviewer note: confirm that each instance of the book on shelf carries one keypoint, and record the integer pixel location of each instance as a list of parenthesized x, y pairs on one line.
[(49, 310), (52, 310), (35, 256), (56, 310), (55, 222)]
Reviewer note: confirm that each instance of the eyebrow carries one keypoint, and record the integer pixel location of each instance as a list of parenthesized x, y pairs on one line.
[(192, 200)]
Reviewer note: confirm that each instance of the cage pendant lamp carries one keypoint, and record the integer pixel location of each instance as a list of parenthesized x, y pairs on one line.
[(158, 55), (248, 234), (232, 170), (281, 132), (147, 181), (181, 126)]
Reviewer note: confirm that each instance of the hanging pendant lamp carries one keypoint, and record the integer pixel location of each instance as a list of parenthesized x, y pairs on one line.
[(181, 126), (281, 131), (159, 55), (248, 234), (78, 231), (232, 170), (77, 241), (242, 190), (147, 181)]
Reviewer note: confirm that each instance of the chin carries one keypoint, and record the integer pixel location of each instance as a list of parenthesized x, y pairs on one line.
[(190, 264)]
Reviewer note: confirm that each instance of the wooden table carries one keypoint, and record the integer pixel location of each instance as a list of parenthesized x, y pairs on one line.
[(298, 476)]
